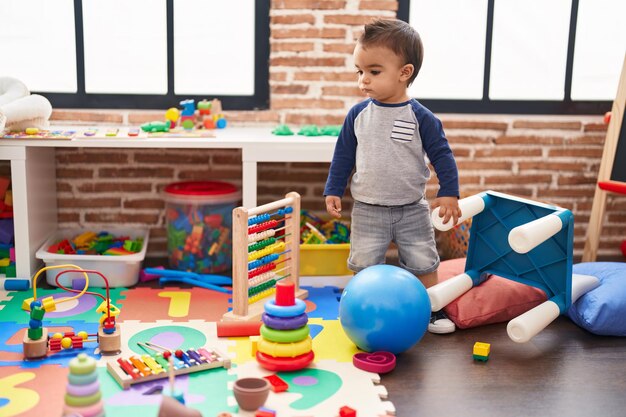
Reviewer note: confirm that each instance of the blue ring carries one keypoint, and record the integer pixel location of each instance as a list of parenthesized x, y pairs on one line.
[(285, 323), (285, 311)]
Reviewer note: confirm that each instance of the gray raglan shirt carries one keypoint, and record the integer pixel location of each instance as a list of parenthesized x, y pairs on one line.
[(387, 144)]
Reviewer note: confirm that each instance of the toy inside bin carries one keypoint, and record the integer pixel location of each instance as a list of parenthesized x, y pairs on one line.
[(325, 246), (199, 225), (120, 270)]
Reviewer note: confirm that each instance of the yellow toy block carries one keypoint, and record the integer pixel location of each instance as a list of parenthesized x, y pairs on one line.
[(102, 308), (254, 343), (26, 303), (48, 304), (481, 349), (82, 241)]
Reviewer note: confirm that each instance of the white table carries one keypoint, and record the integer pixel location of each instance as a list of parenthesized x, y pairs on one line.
[(34, 179)]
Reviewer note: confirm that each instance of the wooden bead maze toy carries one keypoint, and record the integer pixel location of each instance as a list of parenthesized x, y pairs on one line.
[(148, 367), (37, 342), (266, 250)]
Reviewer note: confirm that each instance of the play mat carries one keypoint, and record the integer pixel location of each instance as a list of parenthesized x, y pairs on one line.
[(182, 318)]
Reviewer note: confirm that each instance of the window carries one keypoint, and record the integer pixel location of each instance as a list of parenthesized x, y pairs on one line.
[(139, 54), (510, 56)]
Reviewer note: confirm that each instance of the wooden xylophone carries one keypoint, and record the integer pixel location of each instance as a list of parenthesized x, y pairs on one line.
[(143, 368)]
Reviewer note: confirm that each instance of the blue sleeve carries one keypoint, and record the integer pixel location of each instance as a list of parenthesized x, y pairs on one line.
[(440, 155), (344, 157)]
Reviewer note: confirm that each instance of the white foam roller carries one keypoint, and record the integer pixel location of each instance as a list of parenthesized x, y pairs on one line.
[(469, 206), (524, 327), (447, 291), (582, 284), (528, 236)]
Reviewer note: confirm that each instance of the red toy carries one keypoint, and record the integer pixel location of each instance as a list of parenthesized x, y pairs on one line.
[(346, 411), (278, 384), (238, 328), (272, 363)]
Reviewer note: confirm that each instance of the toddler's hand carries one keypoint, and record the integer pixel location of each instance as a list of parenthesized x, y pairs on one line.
[(448, 208), (333, 206)]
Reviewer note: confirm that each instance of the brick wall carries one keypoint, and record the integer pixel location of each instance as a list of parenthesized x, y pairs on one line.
[(555, 159)]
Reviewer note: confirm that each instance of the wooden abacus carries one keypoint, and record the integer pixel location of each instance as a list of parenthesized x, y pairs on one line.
[(254, 251)]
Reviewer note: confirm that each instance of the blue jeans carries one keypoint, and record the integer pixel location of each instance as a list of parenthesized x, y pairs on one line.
[(409, 227)]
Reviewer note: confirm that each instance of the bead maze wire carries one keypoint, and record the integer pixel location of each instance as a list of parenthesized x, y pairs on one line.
[(36, 342), (266, 250), (108, 320)]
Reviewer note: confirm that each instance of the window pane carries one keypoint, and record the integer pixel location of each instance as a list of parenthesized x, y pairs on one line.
[(529, 49), (214, 47), (453, 33), (40, 53), (125, 46), (599, 49)]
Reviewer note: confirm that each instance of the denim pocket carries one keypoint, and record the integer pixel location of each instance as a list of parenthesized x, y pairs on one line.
[(403, 131)]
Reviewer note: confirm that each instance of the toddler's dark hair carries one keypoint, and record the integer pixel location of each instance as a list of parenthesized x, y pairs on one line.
[(398, 36)]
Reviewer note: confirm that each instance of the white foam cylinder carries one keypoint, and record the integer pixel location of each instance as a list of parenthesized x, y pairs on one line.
[(470, 206), (582, 284), (526, 326), (523, 328), (447, 291), (528, 236)]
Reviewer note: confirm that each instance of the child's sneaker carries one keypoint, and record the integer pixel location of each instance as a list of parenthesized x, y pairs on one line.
[(440, 323)]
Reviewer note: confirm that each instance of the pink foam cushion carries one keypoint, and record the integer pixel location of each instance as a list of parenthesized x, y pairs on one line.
[(495, 300)]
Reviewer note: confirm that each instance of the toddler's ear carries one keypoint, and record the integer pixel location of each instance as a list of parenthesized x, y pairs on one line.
[(406, 72)]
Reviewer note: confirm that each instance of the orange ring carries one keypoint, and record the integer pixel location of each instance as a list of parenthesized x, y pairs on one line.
[(284, 364)]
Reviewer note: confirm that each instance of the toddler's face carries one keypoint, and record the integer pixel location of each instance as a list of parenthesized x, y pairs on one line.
[(380, 73)]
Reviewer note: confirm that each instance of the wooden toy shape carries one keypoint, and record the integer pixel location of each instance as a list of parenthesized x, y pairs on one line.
[(110, 344), (35, 349)]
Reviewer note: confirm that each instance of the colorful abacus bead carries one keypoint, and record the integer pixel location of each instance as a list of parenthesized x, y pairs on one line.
[(83, 395)]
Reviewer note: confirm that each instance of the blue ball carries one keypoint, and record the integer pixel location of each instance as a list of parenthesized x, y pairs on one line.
[(386, 308)]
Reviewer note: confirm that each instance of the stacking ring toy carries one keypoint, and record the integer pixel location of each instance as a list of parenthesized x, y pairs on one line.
[(285, 350), (284, 336), (285, 311), (284, 364), (285, 323)]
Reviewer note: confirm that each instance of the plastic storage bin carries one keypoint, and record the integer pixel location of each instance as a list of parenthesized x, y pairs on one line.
[(324, 259), (199, 225), (120, 270)]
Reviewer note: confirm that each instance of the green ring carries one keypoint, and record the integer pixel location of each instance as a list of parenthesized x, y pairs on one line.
[(73, 401), (285, 336)]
